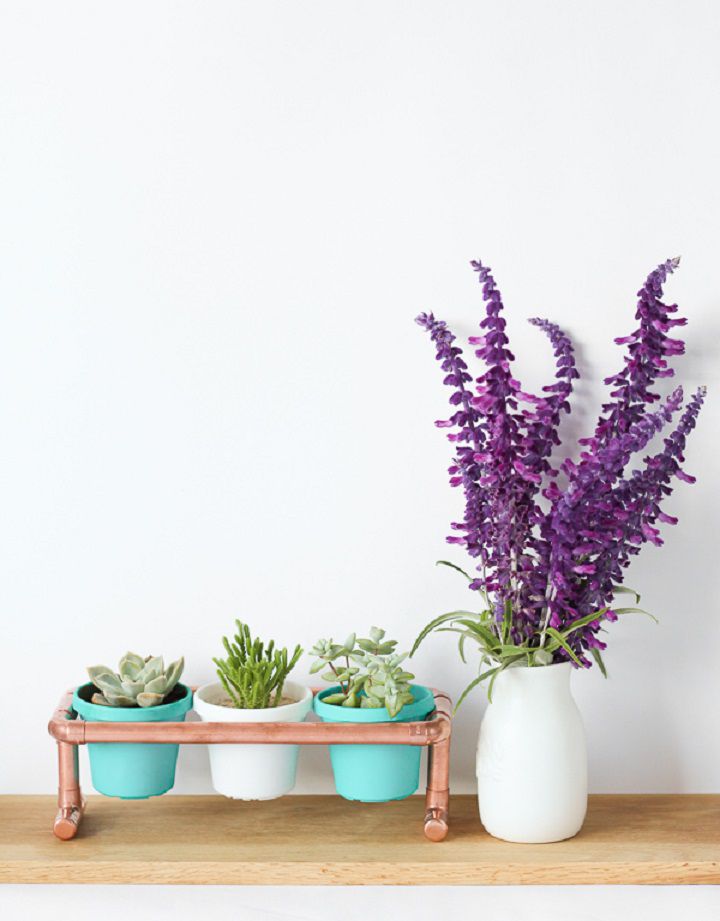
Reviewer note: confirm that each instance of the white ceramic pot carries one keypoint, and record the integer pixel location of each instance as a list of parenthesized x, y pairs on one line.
[(531, 758), (253, 771)]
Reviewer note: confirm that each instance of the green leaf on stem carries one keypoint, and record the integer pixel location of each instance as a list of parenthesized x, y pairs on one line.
[(624, 590), (434, 624), (620, 611), (473, 684), (453, 566), (560, 639), (595, 653)]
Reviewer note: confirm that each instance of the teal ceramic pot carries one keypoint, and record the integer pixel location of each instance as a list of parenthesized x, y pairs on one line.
[(375, 773), (132, 770)]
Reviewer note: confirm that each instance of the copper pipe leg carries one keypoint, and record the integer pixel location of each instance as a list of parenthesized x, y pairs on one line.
[(437, 798), (70, 801)]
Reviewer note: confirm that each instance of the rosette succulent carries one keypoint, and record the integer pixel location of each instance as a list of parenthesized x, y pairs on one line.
[(140, 682), (375, 678), (550, 540)]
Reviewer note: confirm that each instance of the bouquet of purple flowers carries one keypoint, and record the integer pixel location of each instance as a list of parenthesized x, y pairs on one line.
[(551, 541)]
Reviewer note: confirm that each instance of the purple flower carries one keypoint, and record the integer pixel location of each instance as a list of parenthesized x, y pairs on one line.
[(648, 350), (550, 556)]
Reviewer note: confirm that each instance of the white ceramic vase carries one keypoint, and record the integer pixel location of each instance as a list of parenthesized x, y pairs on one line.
[(253, 772), (531, 757)]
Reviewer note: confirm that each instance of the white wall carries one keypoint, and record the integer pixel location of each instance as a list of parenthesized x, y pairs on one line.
[(218, 221)]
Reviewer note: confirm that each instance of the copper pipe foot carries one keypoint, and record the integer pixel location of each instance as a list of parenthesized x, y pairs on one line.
[(67, 822), (436, 824)]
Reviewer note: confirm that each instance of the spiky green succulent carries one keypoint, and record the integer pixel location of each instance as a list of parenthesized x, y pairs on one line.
[(138, 683), (254, 674)]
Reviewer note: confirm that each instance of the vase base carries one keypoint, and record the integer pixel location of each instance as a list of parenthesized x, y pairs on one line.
[(551, 838)]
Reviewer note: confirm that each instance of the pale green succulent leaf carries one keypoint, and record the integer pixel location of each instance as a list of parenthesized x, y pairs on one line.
[(119, 700), (131, 665), (174, 673), (152, 668), (349, 642), (158, 685), (334, 698), (366, 645), (108, 682), (149, 699), (393, 705), (95, 671), (370, 703)]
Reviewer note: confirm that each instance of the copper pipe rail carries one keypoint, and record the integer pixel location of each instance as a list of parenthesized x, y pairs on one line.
[(69, 731)]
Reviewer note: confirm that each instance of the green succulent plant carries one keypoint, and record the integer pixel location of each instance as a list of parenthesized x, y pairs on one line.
[(375, 678), (138, 683), (254, 674)]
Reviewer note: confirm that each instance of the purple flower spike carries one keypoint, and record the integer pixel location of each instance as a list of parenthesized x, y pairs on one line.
[(649, 348)]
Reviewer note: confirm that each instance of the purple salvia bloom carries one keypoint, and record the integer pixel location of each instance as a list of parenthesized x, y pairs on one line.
[(468, 433), (583, 521), (503, 476), (649, 348), (466, 419), (635, 505), (560, 561), (643, 492)]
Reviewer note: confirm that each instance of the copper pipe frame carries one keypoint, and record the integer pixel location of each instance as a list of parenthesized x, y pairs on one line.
[(434, 734), (70, 799)]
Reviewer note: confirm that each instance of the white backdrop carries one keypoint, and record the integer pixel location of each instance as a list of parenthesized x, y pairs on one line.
[(218, 221)]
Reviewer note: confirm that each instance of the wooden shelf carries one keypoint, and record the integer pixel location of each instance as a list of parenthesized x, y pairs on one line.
[(318, 840)]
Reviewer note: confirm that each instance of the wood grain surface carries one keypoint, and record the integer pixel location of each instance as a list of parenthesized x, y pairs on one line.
[(318, 840)]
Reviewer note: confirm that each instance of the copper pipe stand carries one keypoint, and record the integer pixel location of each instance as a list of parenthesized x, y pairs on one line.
[(70, 731)]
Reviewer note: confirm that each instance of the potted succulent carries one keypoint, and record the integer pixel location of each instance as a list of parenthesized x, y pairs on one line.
[(370, 686), (550, 542), (142, 690), (253, 688)]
